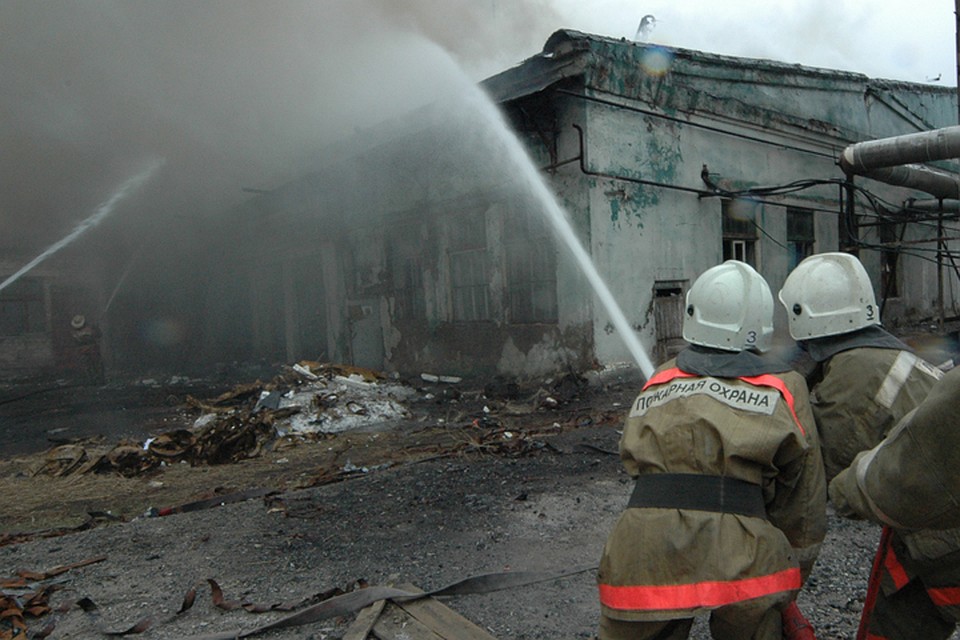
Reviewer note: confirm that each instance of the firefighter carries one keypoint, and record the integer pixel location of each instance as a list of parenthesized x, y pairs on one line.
[(729, 506), (910, 480), (86, 341), (866, 379), (865, 382)]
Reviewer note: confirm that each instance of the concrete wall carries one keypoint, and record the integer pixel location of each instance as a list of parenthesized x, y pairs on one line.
[(360, 214), (751, 124)]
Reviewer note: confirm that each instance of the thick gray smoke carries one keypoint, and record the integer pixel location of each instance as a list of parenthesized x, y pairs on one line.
[(237, 93), (232, 94)]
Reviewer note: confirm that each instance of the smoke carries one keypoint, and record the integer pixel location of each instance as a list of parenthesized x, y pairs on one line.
[(234, 93), (912, 43), (245, 94), (239, 93)]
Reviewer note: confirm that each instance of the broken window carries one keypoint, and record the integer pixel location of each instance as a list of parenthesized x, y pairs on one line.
[(406, 271), (668, 309), (739, 231), (531, 269), (469, 269), (800, 235), (22, 308)]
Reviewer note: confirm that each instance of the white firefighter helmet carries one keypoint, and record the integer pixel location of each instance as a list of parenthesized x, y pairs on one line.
[(729, 307), (828, 294)]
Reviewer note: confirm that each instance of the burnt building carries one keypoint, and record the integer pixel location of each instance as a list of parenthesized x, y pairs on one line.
[(422, 245), (427, 244)]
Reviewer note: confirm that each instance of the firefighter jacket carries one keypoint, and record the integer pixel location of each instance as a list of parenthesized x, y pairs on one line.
[(868, 390), (868, 381), (707, 420), (910, 481)]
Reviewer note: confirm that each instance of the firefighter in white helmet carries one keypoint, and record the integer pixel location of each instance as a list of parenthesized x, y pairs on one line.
[(729, 506), (865, 382)]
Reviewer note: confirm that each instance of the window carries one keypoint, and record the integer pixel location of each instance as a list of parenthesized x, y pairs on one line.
[(469, 269), (668, 310), (531, 269), (739, 231), (800, 235), (406, 271), (21, 308)]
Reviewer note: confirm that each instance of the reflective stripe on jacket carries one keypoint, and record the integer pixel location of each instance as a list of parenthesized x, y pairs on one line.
[(864, 392), (905, 477), (698, 595)]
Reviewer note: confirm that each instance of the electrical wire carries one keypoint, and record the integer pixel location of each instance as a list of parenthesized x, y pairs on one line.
[(883, 211)]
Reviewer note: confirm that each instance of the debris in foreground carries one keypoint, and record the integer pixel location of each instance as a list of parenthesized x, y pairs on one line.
[(423, 619)]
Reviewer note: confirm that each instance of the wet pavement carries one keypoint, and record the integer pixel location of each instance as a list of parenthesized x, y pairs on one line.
[(37, 416)]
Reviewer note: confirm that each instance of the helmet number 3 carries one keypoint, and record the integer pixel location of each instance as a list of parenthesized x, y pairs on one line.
[(871, 314), (751, 337)]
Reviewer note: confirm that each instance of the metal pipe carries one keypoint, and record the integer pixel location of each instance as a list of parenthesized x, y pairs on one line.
[(947, 204), (926, 146), (915, 176), (652, 183)]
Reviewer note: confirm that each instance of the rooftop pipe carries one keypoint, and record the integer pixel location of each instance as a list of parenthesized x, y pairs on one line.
[(926, 146), (888, 160), (941, 185)]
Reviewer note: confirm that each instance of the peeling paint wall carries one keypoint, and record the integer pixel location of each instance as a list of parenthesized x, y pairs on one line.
[(749, 123)]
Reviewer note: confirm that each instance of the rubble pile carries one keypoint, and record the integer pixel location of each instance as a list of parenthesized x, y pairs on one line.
[(306, 401), (310, 402)]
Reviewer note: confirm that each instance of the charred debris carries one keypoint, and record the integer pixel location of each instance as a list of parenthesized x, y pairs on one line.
[(311, 402)]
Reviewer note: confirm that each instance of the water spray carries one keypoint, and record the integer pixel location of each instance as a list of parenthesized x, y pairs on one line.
[(101, 212), (123, 278), (533, 179)]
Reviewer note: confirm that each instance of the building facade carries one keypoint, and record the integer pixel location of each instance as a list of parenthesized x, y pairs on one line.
[(444, 242), (425, 246)]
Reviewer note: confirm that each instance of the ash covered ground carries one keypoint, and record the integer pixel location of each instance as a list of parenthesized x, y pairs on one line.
[(465, 482)]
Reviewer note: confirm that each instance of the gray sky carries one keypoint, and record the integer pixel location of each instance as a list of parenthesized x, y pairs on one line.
[(238, 93), (913, 41)]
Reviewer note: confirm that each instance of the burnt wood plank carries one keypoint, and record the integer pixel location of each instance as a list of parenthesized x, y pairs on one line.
[(363, 625), (445, 622), (395, 623)]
